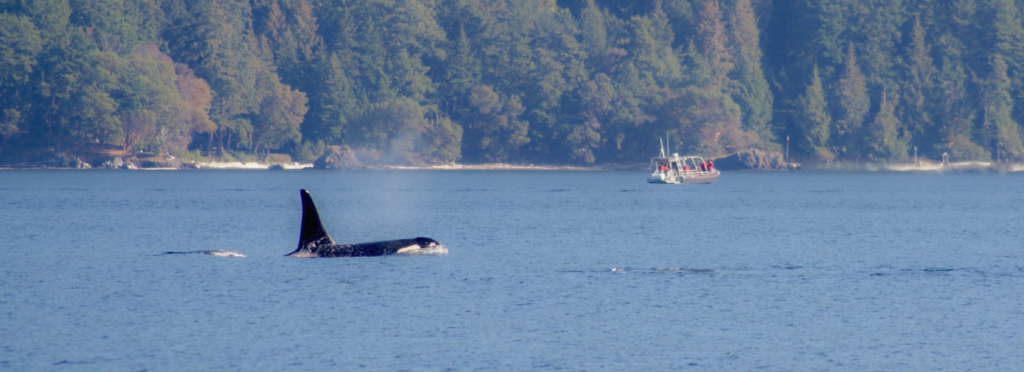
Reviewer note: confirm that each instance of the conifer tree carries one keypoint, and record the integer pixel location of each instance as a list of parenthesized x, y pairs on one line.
[(753, 95), (813, 120), (713, 43), (334, 104), (1002, 134), (1008, 30), (919, 91), (20, 45), (884, 137), (594, 32), (566, 81), (956, 114), (853, 107), (463, 73), (652, 45)]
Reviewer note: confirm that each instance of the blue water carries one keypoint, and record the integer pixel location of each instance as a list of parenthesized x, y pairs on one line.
[(547, 270)]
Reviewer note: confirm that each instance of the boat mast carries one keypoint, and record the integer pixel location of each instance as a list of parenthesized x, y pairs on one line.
[(662, 144), (668, 144)]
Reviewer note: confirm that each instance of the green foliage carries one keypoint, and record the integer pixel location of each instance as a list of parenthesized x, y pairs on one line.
[(280, 115), (1001, 132), (277, 159), (494, 129), (20, 45), (919, 107), (707, 121), (309, 151), (752, 92), (852, 109), (713, 42), (814, 120), (884, 134), (589, 81), (150, 107)]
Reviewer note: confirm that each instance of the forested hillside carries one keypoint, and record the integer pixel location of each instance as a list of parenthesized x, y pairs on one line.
[(529, 81)]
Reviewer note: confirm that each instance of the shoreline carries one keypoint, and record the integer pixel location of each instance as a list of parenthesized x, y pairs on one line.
[(308, 166), (920, 167)]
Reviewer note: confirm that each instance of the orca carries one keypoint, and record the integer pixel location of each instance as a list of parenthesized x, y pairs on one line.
[(216, 252), (314, 241)]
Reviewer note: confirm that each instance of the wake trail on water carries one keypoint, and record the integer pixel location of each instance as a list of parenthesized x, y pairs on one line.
[(656, 270), (661, 270), (215, 252)]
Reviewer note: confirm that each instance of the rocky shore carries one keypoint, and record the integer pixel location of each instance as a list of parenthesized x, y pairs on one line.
[(344, 158), (61, 160)]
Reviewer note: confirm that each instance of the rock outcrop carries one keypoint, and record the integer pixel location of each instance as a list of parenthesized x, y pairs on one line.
[(58, 160), (338, 157), (115, 163), (159, 161), (753, 159)]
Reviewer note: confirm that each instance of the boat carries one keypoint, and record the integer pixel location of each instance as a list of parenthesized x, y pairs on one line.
[(677, 169)]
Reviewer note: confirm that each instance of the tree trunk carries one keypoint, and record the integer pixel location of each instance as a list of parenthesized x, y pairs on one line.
[(220, 144)]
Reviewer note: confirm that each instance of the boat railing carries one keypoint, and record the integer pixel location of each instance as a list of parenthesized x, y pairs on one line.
[(681, 166), (696, 172)]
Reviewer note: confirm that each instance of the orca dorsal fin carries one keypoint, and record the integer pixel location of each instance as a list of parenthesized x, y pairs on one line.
[(312, 233)]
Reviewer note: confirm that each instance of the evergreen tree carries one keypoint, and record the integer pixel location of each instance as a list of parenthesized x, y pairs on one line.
[(291, 30), (1008, 44), (334, 104), (1002, 134), (813, 120), (957, 115), (853, 107), (919, 91), (878, 24), (594, 32), (753, 95), (20, 45), (652, 46), (1007, 33), (713, 45), (463, 73), (884, 133), (528, 80)]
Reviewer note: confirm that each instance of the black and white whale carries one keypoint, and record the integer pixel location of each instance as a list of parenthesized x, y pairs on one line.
[(314, 241)]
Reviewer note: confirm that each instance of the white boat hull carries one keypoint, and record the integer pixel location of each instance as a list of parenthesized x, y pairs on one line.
[(672, 178)]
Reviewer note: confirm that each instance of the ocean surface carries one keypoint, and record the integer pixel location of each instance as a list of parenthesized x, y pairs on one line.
[(547, 270)]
